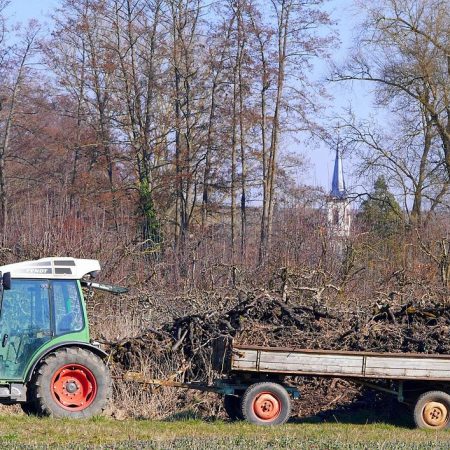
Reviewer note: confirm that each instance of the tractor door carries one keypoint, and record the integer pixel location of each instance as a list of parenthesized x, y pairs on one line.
[(68, 312), (25, 325)]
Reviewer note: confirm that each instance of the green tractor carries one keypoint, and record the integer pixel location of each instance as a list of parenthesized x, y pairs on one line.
[(48, 363)]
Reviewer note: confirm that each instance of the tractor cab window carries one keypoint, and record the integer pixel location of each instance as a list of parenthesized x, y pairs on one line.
[(67, 304), (25, 325)]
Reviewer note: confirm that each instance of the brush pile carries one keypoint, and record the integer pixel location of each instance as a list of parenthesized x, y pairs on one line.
[(265, 319), (182, 349)]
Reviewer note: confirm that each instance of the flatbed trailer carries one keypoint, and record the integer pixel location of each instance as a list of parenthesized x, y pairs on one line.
[(256, 387)]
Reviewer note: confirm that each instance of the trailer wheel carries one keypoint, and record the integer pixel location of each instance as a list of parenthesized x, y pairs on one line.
[(432, 410), (232, 406), (266, 404), (71, 382)]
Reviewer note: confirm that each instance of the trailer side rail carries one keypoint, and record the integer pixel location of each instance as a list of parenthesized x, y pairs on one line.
[(398, 366)]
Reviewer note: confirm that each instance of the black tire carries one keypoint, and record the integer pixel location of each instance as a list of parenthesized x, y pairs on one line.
[(232, 406), (432, 410), (51, 393), (29, 408), (266, 404)]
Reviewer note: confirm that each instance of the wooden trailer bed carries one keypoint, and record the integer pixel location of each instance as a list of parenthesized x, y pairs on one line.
[(293, 361)]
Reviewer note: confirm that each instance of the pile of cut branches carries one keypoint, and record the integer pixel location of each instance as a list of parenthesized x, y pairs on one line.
[(263, 318), (183, 347)]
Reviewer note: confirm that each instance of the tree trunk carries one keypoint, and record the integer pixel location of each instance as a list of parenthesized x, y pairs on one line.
[(241, 47), (5, 139), (283, 27)]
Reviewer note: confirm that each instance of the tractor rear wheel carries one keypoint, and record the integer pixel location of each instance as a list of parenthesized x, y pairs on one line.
[(71, 382), (29, 408)]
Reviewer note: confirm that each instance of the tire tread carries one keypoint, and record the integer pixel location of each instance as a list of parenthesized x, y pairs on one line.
[(440, 396), (252, 390), (39, 395)]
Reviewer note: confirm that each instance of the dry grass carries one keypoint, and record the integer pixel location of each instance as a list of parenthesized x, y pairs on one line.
[(18, 431)]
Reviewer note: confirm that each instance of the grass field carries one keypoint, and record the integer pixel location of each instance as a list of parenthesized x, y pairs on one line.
[(17, 431)]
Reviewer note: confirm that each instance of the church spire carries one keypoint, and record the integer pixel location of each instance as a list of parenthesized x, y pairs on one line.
[(339, 217), (338, 184)]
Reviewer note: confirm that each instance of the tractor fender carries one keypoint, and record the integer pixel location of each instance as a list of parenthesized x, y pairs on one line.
[(97, 351)]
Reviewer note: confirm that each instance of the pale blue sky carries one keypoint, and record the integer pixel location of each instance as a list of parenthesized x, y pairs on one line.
[(358, 95), (24, 10)]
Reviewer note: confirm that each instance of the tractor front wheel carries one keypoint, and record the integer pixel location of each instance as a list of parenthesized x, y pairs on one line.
[(71, 382)]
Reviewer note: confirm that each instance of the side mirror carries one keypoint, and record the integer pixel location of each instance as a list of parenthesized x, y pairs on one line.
[(6, 281)]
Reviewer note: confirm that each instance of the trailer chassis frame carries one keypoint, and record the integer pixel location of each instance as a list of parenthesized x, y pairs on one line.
[(219, 386)]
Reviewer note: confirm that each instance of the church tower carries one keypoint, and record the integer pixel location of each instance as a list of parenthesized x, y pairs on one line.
[(339, 218)]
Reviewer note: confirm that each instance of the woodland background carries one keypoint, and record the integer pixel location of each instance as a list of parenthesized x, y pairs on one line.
[(157, 137)]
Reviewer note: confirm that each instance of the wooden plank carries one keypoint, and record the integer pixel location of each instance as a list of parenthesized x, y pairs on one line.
[(311, 366), (243, 365), (311, 369), (295, 362), (239, 347), (379, 362), (407, 368), (251, 367), (294, 368), (301, 358), (247, 355), (306, 370), (389, 372)]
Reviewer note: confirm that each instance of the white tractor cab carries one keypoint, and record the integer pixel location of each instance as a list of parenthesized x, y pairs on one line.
[(47, 361)]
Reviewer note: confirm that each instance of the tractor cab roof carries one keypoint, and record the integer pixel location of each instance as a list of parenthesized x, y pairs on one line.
[(53, 268)]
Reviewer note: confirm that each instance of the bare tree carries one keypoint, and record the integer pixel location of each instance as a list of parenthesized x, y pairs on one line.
[(17, 63), (78, 54), (135, 43), (242, 37), (3, 5), (237, 129), (404, 50), (218, 54), (294, 41), (184, 24), (408, 153)]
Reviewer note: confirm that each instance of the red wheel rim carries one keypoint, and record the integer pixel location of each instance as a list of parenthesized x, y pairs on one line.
[(266, 406), (74, 387)]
